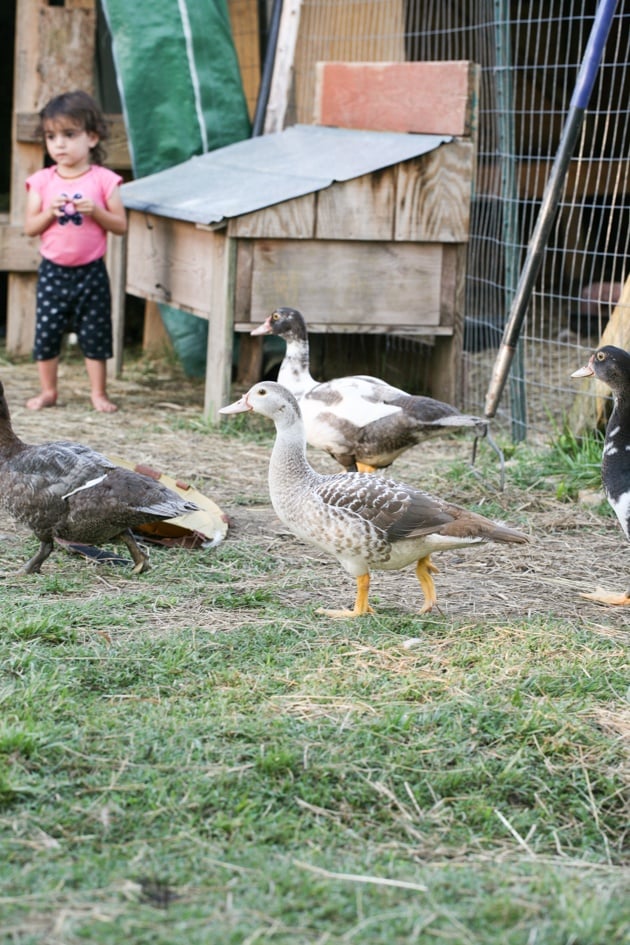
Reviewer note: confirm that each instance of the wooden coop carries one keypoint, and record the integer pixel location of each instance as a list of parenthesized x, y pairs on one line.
[(380, 251), (362, 230)]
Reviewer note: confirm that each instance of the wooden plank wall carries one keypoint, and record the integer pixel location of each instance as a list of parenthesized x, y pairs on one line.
[(425, 199), (245, 30), (352, 285), (172, 261)]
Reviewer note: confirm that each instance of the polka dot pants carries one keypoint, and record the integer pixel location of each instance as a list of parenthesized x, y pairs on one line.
[(73, 299)]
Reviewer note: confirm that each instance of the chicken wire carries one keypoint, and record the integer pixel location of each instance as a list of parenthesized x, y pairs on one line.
[(530, 54)]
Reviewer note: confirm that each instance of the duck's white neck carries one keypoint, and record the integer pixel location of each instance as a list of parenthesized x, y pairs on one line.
[(289, 470), (294, 373)]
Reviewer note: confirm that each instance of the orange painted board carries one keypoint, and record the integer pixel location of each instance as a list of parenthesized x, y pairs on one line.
[(419, 97)]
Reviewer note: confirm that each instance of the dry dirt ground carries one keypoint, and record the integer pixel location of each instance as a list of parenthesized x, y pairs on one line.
[(572, 548)]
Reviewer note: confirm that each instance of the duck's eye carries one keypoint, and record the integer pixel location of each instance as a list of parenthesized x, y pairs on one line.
[(600, 356), (274, 317), (262, 392)]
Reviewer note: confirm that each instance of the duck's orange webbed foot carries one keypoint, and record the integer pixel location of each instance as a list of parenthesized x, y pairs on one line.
[(424, 569), (614, 598), (361, 605)]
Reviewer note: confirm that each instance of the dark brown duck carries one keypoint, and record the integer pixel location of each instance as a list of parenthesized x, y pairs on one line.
[(69, 491)]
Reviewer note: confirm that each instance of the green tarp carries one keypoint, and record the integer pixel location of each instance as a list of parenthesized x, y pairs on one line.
[(178, 77), (181, 91)]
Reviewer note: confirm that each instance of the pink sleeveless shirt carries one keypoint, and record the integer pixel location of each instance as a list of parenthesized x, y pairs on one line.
[(74, 239)]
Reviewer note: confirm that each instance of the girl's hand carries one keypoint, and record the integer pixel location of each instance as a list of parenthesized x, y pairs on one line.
[(84, 205), (57, 205)]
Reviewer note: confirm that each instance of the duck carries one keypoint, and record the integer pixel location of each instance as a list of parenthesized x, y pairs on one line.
[(366, 522), (611, 365), (363, 422), (68, 491)]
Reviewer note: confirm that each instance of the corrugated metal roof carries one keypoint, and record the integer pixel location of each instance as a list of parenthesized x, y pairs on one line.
[(269, 169)]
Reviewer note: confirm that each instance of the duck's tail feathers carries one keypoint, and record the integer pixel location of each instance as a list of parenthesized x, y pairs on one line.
[(167, 508), (467, 524), (503, 533), (462, 420)]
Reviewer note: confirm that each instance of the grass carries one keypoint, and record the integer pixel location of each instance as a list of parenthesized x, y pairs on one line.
[(189, 757), (567, 467), (571, 463)]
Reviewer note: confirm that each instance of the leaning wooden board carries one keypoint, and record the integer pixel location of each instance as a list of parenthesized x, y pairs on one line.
[(210, 522)]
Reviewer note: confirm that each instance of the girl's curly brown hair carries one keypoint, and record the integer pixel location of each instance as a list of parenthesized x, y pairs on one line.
[(81, 109)]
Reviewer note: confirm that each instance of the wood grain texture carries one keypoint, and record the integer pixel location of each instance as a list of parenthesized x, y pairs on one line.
[(67, 37), (243, 279), (155, 338), (357, 283), (245, 31), (21, 313), (116, 262), (18, 252), (171, 261), (221, 263), (292, 218), (359, 209), (282, 78), (433, 195)]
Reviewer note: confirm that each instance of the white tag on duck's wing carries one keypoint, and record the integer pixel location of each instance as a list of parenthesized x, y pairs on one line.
[(86, 485)]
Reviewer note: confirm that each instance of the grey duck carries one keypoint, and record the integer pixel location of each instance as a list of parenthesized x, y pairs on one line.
[(366, 522)]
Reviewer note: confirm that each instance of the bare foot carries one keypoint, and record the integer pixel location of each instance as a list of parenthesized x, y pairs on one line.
[(42, 400), (103, 404)]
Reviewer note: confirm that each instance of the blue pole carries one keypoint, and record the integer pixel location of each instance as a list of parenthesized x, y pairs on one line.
[(551, 198)]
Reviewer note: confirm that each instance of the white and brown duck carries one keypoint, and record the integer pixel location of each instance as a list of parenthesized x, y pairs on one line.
[(69, 491), (366, 522), (612, 366), (362, 422)]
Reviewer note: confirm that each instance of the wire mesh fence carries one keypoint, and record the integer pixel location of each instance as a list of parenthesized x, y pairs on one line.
[(529, 54)]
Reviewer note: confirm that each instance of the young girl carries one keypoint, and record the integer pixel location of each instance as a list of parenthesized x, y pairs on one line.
[(71, 206)]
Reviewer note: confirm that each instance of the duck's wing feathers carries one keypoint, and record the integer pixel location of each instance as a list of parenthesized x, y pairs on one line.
[(375, 398), (356, 400), (427, 414), (64, 470), (427, 515), (58, 468), (395, 509), (399, 511), (130, 492)]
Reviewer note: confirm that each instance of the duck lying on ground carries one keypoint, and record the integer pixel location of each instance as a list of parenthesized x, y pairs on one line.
[(366, 522), (612, 366), (69, 491), (361, 421)]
